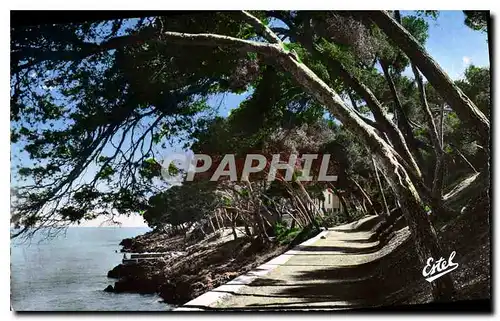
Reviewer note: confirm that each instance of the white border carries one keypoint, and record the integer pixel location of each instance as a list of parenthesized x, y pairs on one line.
[(251, 5), (200, 5)]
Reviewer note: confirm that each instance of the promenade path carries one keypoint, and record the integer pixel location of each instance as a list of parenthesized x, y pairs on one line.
[(333, 271)]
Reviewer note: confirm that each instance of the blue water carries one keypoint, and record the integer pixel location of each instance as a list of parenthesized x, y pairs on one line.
[(69, 273)]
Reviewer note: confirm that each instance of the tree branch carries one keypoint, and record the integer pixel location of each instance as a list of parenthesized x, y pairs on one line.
[(213, 40), (466, 110), (261, 28)]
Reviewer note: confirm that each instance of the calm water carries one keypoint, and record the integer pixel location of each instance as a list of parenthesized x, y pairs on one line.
[(69, 273)]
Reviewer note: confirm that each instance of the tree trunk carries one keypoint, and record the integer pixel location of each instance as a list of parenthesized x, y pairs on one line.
[(382, 119), (231, 217), (403, 122), (365, 195), (381, 189), (466, 110), (437, 139), (360, 205), (437, 184), (438, 145), (202, 230), (233, 227), (301, 217), (424, 235), (247, 230), (210, 219), (464, 158), (341, 199), (308, 200), (217, 220), (344, 205)]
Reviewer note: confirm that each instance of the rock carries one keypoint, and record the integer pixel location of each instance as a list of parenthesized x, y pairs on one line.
[(109, 288), (177, 291), (126, 242), (136, 285), (115, 273), (127, 270)]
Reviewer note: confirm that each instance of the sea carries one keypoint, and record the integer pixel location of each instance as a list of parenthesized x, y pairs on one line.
[(68, 272)]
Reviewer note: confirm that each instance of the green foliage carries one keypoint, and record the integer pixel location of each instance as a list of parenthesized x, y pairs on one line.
[(151, 168), (418, 28), (477, 20), (306, 233), (71, 213), (186, 203), (433, 14), (476, 85), (106, 172), (75, 107), (333, 219), (284, 234)]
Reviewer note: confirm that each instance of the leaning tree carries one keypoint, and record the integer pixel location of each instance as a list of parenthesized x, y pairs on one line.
[(92, 104)]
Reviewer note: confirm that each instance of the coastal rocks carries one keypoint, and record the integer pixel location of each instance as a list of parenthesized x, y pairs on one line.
[(130, 269), (137, 278), (124, 270), (109, 288), (136, 285), (137, 244), (115, 272), (154, 242), (177, 291), (127, 244), (143, 277), (189, 270)]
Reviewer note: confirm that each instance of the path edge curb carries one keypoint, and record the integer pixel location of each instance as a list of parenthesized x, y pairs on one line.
[(224, 291)]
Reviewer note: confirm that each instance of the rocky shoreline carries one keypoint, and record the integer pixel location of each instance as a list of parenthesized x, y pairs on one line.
[(202, 266)]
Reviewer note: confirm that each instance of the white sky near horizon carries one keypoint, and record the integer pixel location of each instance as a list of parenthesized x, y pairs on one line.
[(134, 220)]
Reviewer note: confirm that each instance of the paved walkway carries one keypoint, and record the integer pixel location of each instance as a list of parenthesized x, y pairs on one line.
[(334, 271)]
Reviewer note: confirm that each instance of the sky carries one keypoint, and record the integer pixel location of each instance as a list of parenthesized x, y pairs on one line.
[(452, 44)]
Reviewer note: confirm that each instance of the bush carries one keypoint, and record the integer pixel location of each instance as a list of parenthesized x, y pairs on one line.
[(332, 219), (304, 234), (284, 234), (293, 236)]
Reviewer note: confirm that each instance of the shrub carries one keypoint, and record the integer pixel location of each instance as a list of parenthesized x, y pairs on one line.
[(295, 235), (284, 234), (332, 219)]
